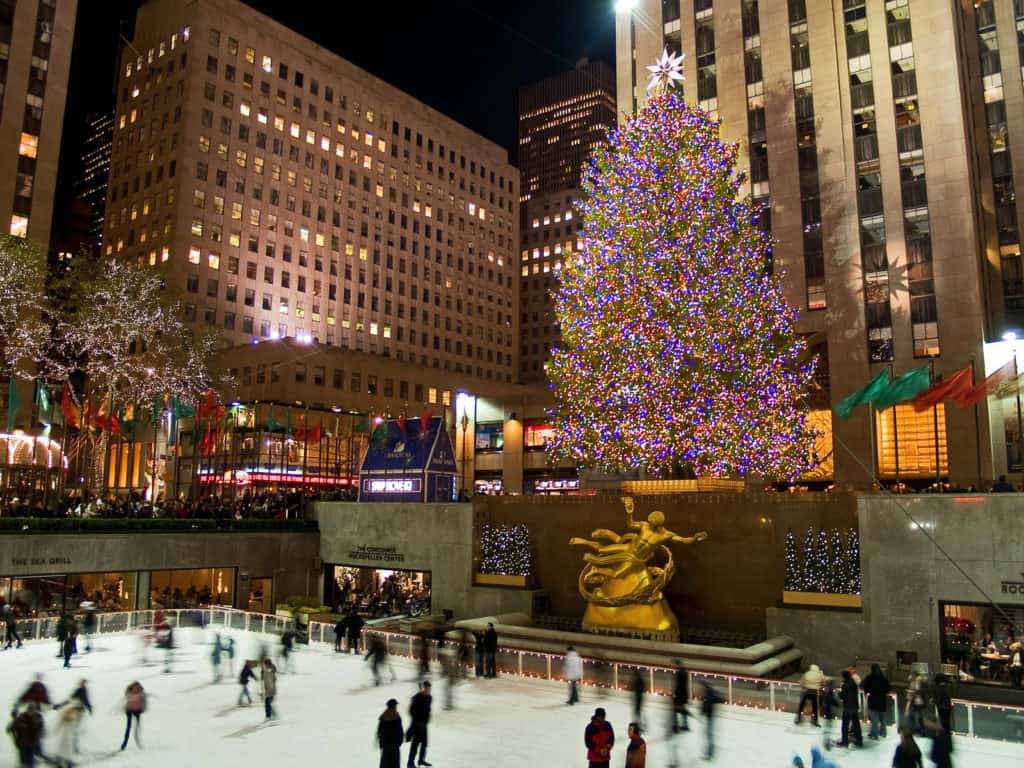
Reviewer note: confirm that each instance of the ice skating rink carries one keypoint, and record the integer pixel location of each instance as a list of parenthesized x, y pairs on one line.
[(329, 707)]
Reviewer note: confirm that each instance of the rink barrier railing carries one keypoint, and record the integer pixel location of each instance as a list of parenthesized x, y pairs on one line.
[(971, 718)]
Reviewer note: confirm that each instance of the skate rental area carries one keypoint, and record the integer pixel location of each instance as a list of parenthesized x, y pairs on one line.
[(327, 709)]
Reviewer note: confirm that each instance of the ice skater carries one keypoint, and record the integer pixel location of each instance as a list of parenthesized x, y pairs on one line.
[(287, 648), (599, 738), (573, 673), (707, 708), (639, 687), (26, 729), (810, 683), (229, 651), (353, 630), (216, 657), (390, 735), (88, 623), (680, 699), (243, 680), (876, 689), (449, 658), (269, 688), (419, 712), (70, 640), (11, 623), (830, 708), (490, 651), (134, 706), (850, 697), (339, 634), (377, 654), (68, 726), (907, 753), (78, 698), (636, 750)]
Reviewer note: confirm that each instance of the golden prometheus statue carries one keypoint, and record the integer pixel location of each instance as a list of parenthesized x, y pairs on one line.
[(624, 593)]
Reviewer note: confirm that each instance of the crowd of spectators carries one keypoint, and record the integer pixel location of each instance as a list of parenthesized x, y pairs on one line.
[(247, 504)]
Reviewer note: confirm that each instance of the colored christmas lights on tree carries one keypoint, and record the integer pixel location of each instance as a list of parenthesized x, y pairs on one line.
[(851, 564), (793, 575), (829, 562), (807, 562), (505, 549), (678, 348)]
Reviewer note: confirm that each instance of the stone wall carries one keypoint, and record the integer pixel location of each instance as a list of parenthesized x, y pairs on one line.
[(420, 537), (726, 582), (289, 558), (906, 576)]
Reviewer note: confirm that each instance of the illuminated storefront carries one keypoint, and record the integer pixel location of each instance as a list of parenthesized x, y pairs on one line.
[(192, 588), (911, 443), (32, 467), (377, 591), (42, 596)]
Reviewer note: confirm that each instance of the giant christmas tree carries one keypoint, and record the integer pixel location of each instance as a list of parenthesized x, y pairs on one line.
[(678, 347)]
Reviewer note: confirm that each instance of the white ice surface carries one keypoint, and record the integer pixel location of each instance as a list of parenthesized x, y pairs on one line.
[(329, 707)]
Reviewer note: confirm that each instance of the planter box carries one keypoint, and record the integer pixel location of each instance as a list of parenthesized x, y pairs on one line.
[(822, 599), (502, 580)]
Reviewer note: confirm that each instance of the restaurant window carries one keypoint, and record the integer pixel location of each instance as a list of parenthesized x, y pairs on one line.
[(192, 588), (910, 441), (537, 433)]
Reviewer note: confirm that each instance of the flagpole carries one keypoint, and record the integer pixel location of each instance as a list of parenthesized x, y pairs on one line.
[(977, 430), (895, 434), (1020, 423), (935, 428)]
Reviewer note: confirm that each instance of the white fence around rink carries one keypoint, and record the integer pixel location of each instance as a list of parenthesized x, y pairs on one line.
[(978, 719)]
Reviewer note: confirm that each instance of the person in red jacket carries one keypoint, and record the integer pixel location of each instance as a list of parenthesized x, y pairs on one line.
[(599, 738), (636, 752)]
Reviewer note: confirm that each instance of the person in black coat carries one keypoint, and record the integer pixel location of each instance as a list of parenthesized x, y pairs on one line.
[(944, 701), (390, 735), (12, 627), (353, 630), (942, 746), (876, 688), (680, 698), (850, 697), (707, 708), (419, 711), (339, 633), (478, 649), (490, 651)]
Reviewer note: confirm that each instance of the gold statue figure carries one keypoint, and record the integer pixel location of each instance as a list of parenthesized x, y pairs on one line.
[(622, 591)]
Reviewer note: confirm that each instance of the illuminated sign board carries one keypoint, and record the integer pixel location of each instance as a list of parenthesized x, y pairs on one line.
[(392, 485)]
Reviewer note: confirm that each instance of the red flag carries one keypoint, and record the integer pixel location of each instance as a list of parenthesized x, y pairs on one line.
[(204, 444), (300, 433), (954, 387), (315, 434), (208, 406), (425, 418), (400, 423), (72, 415), (982, 390), (114, 424)]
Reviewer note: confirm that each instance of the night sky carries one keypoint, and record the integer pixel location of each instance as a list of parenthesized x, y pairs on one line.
[(465, 58)]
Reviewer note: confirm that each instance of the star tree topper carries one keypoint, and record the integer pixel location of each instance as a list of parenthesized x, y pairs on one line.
[(665, 72)]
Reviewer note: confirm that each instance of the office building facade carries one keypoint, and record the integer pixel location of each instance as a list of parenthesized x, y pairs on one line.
[(93, 172), (35, 59), (880, 138), (561, 120), (288, 194)]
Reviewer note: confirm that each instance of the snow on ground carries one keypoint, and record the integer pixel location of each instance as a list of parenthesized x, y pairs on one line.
[(329, 707)]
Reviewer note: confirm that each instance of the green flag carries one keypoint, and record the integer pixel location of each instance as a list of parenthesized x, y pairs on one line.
[(363, 427), (44, 401), (903, 388), (13, 403), (874, 388), (273, 425), (183, 410), (158, 407), (380, 432)]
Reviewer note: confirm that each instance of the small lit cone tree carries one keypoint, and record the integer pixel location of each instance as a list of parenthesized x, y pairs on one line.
[(793, 575), (821, 562), (851, 564), (836, 572), (807, 562), (678, 350)]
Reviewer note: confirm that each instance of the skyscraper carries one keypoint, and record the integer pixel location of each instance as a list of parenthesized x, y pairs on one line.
[(287, 193), (35, 58), (561, 119), (91, 182), (879, 136)]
